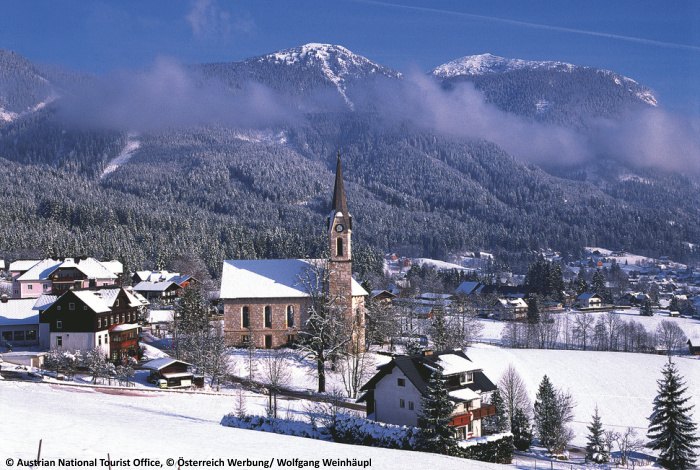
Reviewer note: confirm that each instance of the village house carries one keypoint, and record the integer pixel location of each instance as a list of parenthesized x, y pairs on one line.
[(589, 300), (167, 372), (161, 286), (31, 279), (19, 322), (394, 395), (266, 301), (85, 319)]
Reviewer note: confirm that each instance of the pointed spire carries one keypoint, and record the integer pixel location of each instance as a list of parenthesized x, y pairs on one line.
[(340, 203)]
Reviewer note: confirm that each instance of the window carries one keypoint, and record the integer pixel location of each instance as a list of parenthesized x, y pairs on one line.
[(402, 403), (7, 335), (291, 339), (46, 287), (123, 317), (106, 339), (59, 324), (116, 303), (111, 319), (59, 341), (401, 382), (99, 323), (290, 316), (268, 316), (245, 317), (268, 341), (466, 377), (410, 405), (339, 247), (99, 340), (245, 339), (71, 306), (30, 287), (31, 335)]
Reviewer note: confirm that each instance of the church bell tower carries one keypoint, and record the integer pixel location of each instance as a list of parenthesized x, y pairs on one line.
[(340, 261)]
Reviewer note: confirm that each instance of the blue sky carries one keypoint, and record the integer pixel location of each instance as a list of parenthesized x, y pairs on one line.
[(656, 43)]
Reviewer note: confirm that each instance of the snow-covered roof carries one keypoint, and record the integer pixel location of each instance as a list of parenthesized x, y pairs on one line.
[(467, 287), (148, 286), (587, 295), (270, 278), (135, 299), (464, 394), (18, 311), (158, 364), (93, 301), (45, 301), (114, 266), (23, 264), (513, 303), (453, 364), (160, 316), (2, 264), (124, 327), (92, 269)]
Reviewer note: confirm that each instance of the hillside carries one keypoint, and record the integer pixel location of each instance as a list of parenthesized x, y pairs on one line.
[(188, 427), (240, 161)]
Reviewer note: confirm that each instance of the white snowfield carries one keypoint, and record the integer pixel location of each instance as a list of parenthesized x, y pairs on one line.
[(132, 145), (82, 423), (623, 385)]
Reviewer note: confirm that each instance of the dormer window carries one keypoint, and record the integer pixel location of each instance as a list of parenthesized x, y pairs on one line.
[(466, 377)]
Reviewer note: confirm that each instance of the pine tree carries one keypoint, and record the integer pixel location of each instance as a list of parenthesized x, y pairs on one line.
[(533, 309), (646, 309), (596, 450), (598, 282), (436, 434), (498, 422), (521, 429), (671, 430), (581, 284), (553, 410)]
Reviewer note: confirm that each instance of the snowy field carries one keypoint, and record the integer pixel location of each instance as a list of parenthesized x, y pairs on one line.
[(623, 385), (691, 327), (83, 423)]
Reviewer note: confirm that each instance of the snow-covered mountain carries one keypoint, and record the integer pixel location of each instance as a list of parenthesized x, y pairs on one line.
[(548, 91), (304, 70), (23, 88), (488, 63)]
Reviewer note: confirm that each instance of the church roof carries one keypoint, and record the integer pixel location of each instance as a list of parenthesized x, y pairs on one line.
[(269, 279), (340, 202)]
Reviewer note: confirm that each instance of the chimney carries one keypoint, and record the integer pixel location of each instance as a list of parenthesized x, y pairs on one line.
[(3, 298)]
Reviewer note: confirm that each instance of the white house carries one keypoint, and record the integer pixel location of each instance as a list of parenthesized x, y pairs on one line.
[(394, 394)]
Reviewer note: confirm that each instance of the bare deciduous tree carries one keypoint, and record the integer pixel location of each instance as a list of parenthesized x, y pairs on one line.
[(670, 336), (514, 392), (277, 375)]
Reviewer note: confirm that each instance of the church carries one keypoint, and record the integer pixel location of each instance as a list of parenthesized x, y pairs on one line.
[(266, 302)]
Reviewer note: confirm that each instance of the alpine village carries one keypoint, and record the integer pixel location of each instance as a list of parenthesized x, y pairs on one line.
[(205, 293)]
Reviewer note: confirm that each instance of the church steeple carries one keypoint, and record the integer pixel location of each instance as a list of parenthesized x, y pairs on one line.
[(340, 202)]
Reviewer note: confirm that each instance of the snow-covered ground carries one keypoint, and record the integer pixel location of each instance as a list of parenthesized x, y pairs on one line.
[(691, 327), (132, 145), (623, 385), (84, 423)]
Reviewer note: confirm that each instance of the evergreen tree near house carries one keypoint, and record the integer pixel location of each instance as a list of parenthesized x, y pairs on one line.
[(553, 411), (596, 449), (499, 422), (533, 309), (436, 434), (646, 309), (521, 429), (671, 429), (581, 284)]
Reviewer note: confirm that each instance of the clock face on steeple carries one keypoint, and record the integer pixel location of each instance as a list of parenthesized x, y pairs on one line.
[(339, 228)]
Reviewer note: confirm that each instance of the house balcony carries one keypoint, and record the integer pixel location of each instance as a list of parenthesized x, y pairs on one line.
[(463, 419)]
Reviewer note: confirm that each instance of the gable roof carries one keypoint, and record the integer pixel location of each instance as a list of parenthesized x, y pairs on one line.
[(269, 279), (23, 264), (158, 364), (92, 269), (18, 312), (148, 286), (418, 369), (467, 287)]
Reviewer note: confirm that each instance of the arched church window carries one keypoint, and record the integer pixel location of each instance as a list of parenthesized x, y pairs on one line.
[(339, 247), (268, 316)]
